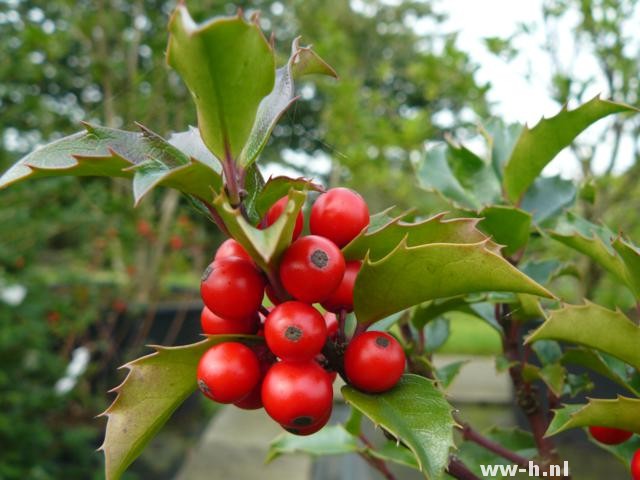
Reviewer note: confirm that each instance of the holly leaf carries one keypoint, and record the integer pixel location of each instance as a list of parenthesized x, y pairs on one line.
[(624, 451), (596, 362), (331, 440), (154, 387), (411, 275), (229, 67), (537, 146), (415, 412), (621, 413), (379, 241), (303, 61), (459, 175), (448, 373), (278, 187), (508, 226), (265, 246), (392, 452), (501, 138), (548, 197), (617, 256), (593, 326)]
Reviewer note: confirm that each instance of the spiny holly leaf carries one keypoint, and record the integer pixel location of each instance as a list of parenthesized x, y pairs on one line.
[(190, 143), (621, 413), (501, 138), (596, 327), (553, 375), (331, 440), (303, 61), (229, 67), (254, 183), (412, 275), (278, 187), (417, 413), (265, 246), (381, 240), (509, 226), (614, 254), (98, 151), (459, 175), (154, 387), (392, 452), (537, 146), (548, 197), (595, 361)]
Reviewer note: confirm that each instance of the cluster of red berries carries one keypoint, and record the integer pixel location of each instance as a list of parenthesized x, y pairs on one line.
[(289, 375), (616, 436)]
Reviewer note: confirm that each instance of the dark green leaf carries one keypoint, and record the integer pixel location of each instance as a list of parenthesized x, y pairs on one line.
[(548, 351), (593, 326), (501, 138), (621, 413), (412, 275), (548, 197), (436, 334), (447, 373), (381, 240), (537, 146), (416, 412), (508, 226), (392, 452), (229, 68), (331, 440)]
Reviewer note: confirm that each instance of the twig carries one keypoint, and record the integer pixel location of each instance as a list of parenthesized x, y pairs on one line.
[(460, 471), (468, 433)]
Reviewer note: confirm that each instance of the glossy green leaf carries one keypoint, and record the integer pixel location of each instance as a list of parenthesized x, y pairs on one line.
[(617, 256), (154, 387), (433, 309), (596, 327), (596, 362), (303, 61), (229, 67), (412, 275), (553, 375), (621, 413), (278, 187), (448, 373), (265, 246), (537, 146), (548, 197), (382, 239), (331, 440), (508, 226), (436, 334), (501, 138), (417, 413), (459, 175), (253, 185), (392, 452)]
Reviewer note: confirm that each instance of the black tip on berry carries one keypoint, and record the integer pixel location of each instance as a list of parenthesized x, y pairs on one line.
[(304, 421), (206, 273), (320, 258), (382, 342), (293, 333)]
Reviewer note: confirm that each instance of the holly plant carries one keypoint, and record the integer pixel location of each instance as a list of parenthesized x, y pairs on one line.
[(285, 314)]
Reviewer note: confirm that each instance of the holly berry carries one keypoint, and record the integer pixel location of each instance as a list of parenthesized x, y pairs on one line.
[(276, 210), (340, 215), (297, 395), (609, 436), (635, 466), (312, 268), (232, 288), (332, 324), (311, 429), (227, 372), (342, 297), (295, 331), (175, 242), (374, 362), (253, 400), (213, 324), (231, 248)]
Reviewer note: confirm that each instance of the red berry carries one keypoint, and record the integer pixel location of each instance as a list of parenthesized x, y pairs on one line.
[(213, 324), (635, 466), (227, 372), (232, 288), (332, 324), (175, 242), (297, 394), (342, 297), (312, 268), (231, 248), (609, 436), (339, 215), (253, 401), (311, 429), (374, 361), (295, 331), (276, 210)]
